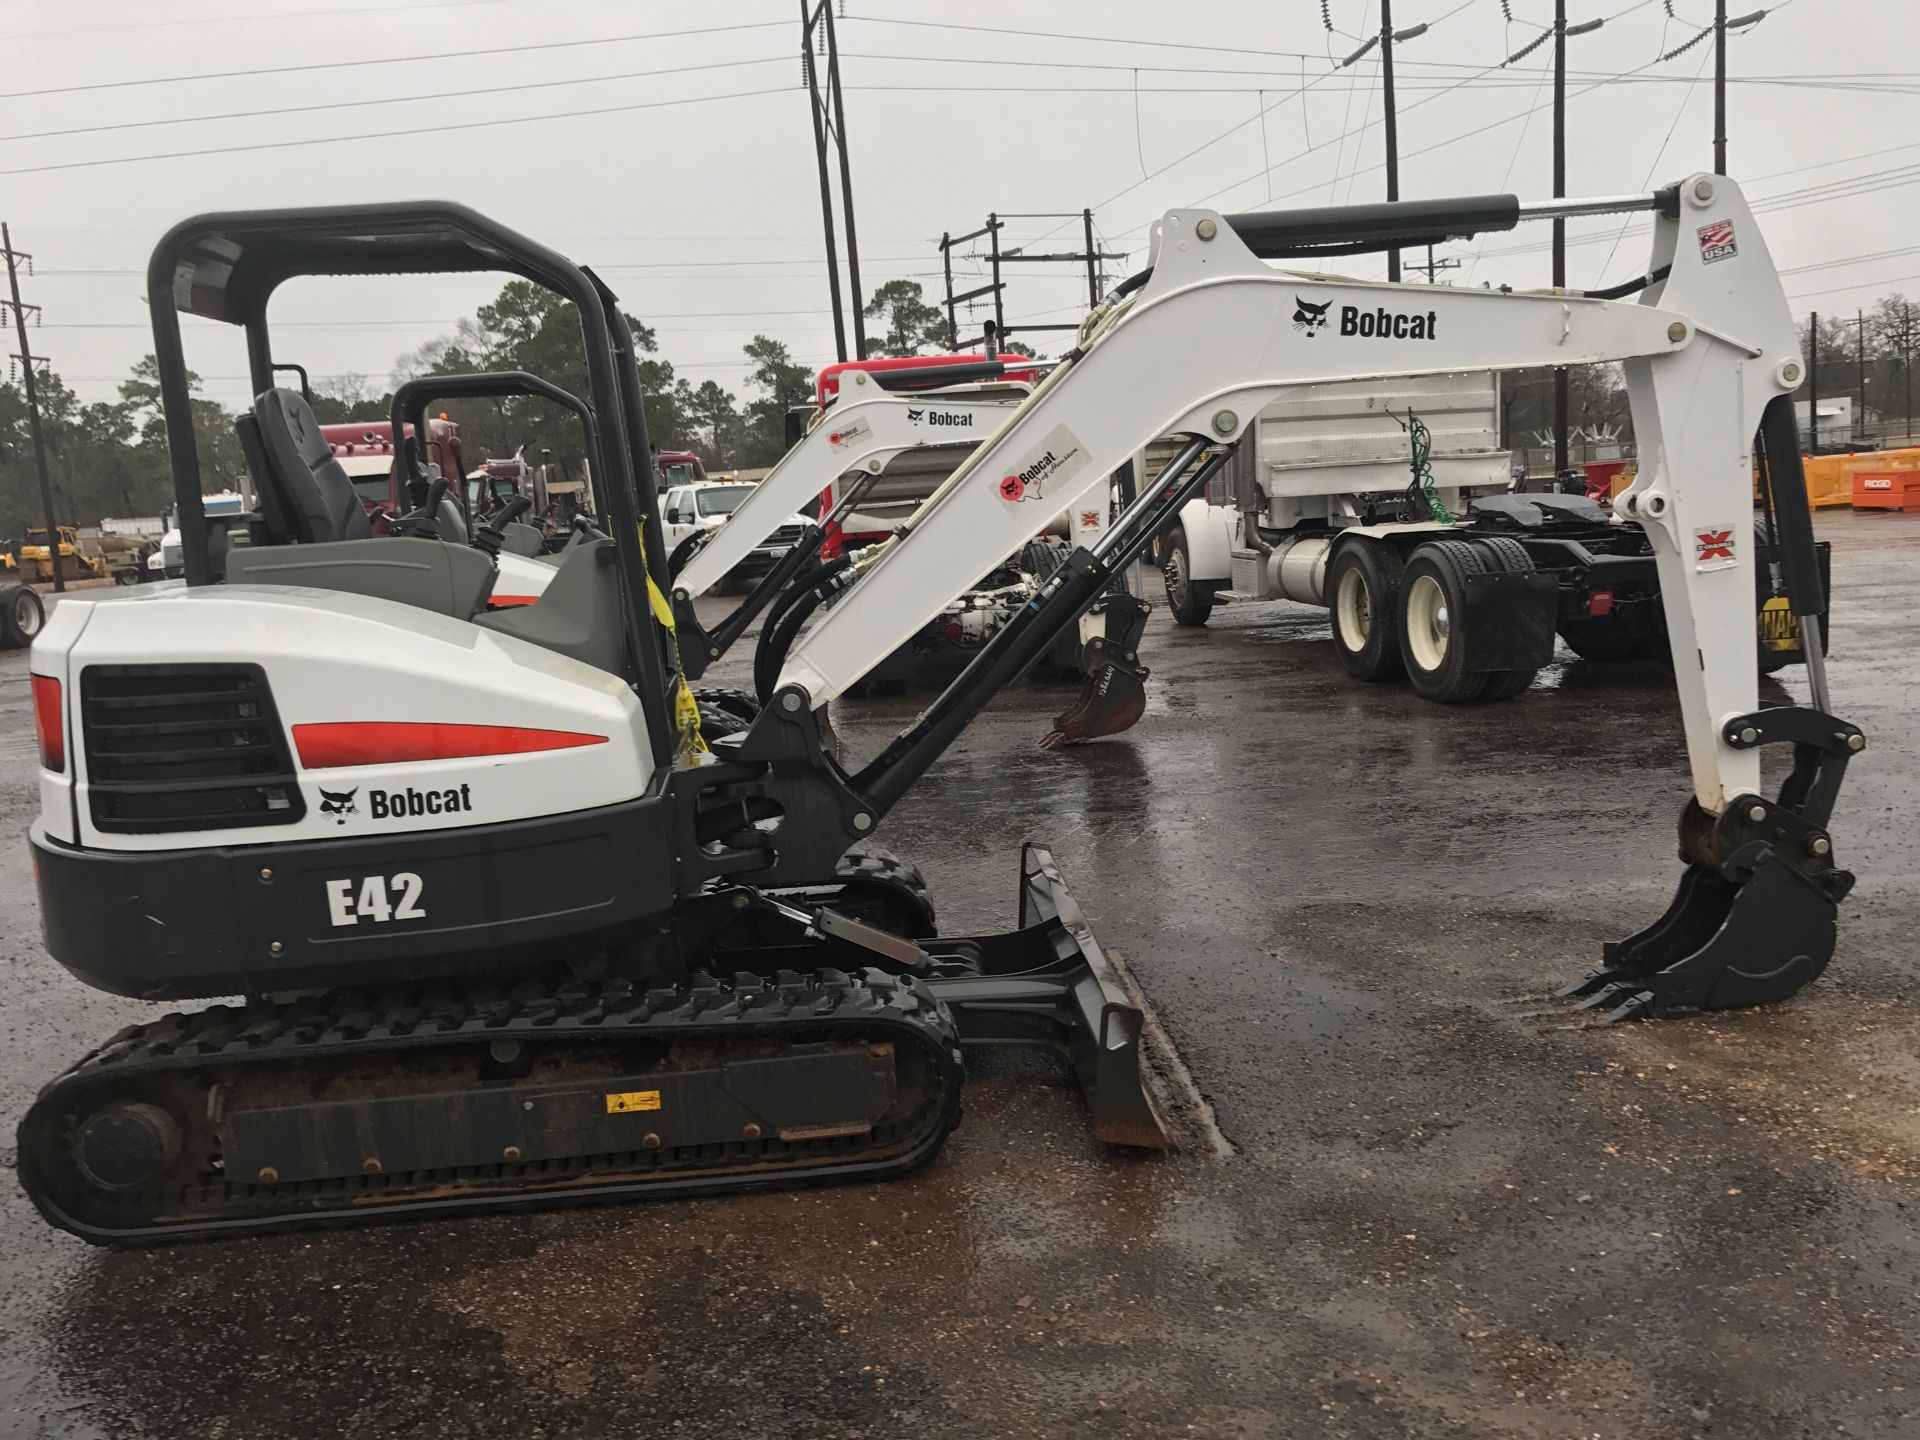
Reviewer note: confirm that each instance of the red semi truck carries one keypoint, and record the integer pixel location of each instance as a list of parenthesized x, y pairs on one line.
[(364, 449)]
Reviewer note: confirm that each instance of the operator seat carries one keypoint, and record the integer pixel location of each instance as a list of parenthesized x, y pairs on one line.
[(317, 500), (326, 540)]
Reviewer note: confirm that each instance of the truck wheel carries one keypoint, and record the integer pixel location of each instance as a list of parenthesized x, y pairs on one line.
[(1511, 556), (1363, 594), (21, 616), (1190, 600), (1433, 605)]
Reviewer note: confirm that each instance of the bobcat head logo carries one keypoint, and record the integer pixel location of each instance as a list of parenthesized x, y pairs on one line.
[(1309, 317), (914, 415), (339, 804)]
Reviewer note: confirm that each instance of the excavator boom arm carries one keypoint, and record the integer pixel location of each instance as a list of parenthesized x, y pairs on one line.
[(1706, 346)]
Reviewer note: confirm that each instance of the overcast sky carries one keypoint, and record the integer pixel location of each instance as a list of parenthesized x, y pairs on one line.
[(694, 192)]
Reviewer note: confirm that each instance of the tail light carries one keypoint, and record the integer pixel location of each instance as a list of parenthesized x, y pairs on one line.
[(49, 723), (1599, 603)]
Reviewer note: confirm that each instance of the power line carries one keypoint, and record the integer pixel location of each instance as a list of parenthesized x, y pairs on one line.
[(395, 134), (463, 94), (279, 70), (384, 11)]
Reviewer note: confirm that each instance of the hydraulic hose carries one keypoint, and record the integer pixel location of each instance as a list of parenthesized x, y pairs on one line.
[(784, 620)]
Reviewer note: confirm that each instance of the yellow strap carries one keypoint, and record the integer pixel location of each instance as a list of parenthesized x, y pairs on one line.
[(686, 709)]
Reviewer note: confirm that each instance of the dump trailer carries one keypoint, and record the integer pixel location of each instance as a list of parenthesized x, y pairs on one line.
[(1338, 485)]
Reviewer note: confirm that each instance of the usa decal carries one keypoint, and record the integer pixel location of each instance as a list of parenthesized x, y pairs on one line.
[(1716, 242)]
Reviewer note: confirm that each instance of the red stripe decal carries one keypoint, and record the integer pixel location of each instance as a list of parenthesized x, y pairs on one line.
[(501, 602), (394, 742)]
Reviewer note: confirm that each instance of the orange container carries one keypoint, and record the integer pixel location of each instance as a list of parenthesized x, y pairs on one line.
[(1886, 489)]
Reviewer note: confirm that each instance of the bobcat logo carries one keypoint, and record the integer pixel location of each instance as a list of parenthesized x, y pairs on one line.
[(1309, 317), (339, 804), (913, 416)]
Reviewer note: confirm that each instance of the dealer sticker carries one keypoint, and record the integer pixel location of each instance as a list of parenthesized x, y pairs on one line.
[(1716, 242), (1713, 549), (846, 434), (1043, 469)]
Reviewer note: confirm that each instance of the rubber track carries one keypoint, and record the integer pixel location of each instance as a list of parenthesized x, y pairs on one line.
[(349, 1026)]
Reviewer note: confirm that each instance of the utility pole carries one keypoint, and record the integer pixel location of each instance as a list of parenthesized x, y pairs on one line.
[(846, 186), (1433, 266), (810, 75), (1906, 361), (1559, 223), (1093, 263), (1719, 87), (1393, 125), (1860, 355), (1385, 40), (1813, 384), (27, 360)]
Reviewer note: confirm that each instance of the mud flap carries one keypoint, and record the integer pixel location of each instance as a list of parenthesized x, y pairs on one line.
[(1048, 984), (1113, 696)]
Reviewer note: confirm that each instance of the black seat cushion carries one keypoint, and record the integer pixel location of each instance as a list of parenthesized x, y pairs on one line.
[(310, 488)]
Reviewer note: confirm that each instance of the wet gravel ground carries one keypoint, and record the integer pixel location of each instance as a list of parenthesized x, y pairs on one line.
[(1443, 1213)]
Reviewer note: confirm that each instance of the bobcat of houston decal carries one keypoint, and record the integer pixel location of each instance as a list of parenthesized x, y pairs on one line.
[(1053, 460)]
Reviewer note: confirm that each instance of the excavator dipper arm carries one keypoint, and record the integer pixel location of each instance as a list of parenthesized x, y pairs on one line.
[(855, 437)]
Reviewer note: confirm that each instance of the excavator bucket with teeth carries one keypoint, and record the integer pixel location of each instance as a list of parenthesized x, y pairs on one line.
[(1114, 695)]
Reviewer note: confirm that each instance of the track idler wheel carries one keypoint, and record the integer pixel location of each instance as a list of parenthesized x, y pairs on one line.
[(1114, 694)]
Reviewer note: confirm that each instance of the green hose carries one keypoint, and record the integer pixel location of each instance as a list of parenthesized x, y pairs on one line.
[(1421, 492)]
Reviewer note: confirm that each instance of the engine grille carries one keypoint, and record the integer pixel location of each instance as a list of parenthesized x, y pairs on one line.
[(185, 747), (785, 538)]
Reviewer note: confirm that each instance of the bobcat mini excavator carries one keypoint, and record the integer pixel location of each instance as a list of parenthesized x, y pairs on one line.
[(881, 416), (327, 798)]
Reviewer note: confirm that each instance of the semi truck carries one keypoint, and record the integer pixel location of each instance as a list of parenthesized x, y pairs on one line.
[(1340, 484)]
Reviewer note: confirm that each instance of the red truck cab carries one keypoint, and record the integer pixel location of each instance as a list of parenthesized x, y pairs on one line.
[(364, 449), (677, 467)]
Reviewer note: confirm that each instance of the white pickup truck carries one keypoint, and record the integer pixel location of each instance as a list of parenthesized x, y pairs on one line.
[(688, 510)]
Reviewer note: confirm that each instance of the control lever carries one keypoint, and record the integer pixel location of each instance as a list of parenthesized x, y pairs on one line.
[(490, 535), (425, 522)]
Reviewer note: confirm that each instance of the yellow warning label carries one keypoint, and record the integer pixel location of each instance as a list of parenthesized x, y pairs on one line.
[(1779, 627), (628, 1101)]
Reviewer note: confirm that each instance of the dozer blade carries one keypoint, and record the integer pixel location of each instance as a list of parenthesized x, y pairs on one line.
[(1113, 696), (1048, 984)]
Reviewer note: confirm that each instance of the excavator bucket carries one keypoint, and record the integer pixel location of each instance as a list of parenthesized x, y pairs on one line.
[(1049, 984), (1114, 694)]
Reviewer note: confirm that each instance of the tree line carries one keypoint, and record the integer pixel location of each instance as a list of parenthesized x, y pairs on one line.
[(110, 457)]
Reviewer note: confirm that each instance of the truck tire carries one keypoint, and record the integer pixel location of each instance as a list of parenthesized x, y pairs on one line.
[(1190, 600), (21, 616), (1433, 594), (1509, 555), (1363, 597)]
